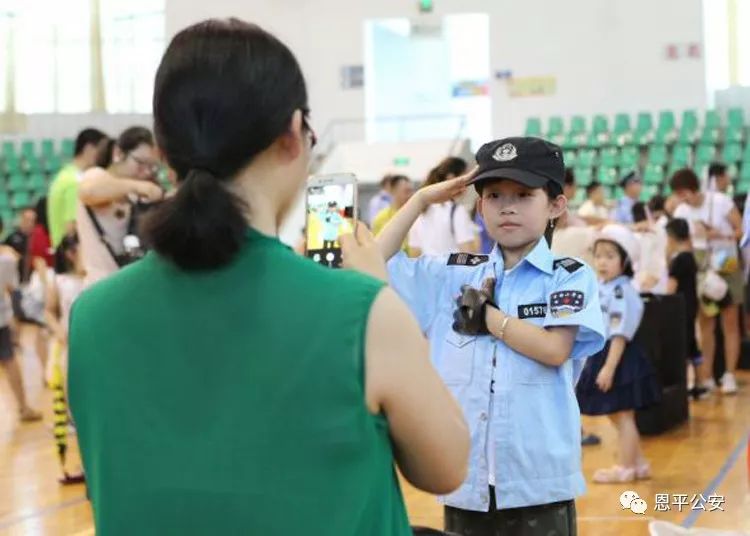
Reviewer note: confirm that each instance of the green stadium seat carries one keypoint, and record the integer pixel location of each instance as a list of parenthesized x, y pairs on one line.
[(9, 149), (534, 127), (4, 200), (689, 119), (681, 155), (28, 149), (20, 200), (687, 135), (587, 158), (712, 120), (18, 182), (710, 136), (607, 175), (736, 118), (596, 141), (52, 164), (570, 158), (744, 175), (742, 188), (704, 154), (600, 124), (555, 126), (746, 153), (657, 154), (653, 174), (12, 165), (734, 134), (584, 175), (610, 157), (48, 148), (666, 121), (644, 137), (38, 181), (571, 141), (66, 148), (33, 164), (7, 220), (645, 122), (578, 124), (732, 153), (630, 156), (649, 191), (665, 136), (622, 124), (580, 196)]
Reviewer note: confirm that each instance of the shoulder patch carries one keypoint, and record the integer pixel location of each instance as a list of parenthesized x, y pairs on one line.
[(467, 259), (571, 265), (618, 292)]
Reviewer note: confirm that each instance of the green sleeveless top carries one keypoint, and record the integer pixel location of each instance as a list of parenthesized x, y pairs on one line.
[(231, 401)]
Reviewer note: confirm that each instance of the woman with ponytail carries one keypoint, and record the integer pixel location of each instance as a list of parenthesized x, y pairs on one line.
[(211, 393)]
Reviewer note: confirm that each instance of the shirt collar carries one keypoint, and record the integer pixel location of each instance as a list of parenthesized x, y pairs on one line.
[(540, 257)]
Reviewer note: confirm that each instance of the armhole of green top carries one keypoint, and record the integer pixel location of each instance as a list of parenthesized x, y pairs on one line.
[(370, 297)]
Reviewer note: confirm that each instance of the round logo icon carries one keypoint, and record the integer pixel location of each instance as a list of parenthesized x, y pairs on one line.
[(505, 152)]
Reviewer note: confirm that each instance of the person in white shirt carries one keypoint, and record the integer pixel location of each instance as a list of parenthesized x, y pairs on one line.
[(715, 227), (106, 201), (594, 210), (444, 227), (718, 178)]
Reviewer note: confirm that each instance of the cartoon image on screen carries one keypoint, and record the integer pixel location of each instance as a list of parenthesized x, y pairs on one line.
[(330, 213)]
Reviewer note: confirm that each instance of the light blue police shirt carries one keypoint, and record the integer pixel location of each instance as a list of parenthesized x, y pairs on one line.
[(532, 407), (623, 213), (622, 307), (331, 222)]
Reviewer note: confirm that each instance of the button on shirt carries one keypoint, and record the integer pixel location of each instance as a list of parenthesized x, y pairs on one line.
[(531, 407), (622, 307)]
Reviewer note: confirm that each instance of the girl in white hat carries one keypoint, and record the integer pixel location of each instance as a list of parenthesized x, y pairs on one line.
[(619, 379)]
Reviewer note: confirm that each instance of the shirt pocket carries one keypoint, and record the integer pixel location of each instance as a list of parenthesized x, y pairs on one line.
[(457, 363)]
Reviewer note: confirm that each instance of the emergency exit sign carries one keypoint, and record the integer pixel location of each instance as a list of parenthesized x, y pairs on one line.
[(401, 161), (425, 6)]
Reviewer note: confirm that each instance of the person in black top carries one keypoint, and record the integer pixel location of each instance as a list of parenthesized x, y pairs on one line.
[(683, 279), (19, 240)]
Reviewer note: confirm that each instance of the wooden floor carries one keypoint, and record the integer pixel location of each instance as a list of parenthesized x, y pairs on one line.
[(708, 455)]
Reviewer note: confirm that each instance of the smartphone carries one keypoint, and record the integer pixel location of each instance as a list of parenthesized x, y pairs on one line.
[(331, 209)]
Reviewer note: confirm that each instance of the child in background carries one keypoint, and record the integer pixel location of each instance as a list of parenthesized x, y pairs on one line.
[(594, 210), (683, 279), (619, 379), (65, 287), (504, 329), (651, 271)]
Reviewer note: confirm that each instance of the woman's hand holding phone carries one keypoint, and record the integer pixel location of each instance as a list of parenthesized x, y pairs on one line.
[(360, 252)]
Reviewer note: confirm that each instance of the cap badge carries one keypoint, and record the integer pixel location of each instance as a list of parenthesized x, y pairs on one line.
[(505, 152)]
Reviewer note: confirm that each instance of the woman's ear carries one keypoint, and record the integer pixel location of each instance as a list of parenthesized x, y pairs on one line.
[(558, 206), (291, 143)]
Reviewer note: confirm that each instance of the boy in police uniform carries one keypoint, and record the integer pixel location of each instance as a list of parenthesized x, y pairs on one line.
[(504, 329)]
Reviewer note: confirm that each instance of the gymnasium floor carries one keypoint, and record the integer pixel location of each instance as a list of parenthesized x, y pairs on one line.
[(706, 456)]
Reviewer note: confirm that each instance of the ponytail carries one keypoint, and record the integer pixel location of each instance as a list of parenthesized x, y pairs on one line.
[(202, 227)]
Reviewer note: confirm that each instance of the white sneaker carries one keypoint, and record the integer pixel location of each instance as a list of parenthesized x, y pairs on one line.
[(728, 384), (709, 384)]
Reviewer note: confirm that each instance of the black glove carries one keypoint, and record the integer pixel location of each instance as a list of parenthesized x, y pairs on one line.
[(469, 316)]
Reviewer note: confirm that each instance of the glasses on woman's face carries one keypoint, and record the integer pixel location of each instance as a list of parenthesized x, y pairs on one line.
[(313, 137), (145, 165)]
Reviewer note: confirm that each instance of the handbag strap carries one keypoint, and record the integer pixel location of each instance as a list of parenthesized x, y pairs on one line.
[(102, 237)]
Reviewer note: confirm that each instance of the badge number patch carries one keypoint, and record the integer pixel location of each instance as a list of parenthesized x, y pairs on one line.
[(532, 310), (566, 303), (466, 259)]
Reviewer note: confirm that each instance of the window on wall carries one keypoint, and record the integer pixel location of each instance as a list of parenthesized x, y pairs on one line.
[(726, 32), (52, 49), (132, 46)]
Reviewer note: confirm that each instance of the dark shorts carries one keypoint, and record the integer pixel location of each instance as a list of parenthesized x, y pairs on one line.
[(554, 519), (6, 344)]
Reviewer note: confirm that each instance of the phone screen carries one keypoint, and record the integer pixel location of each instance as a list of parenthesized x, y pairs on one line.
[(330, 213)]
